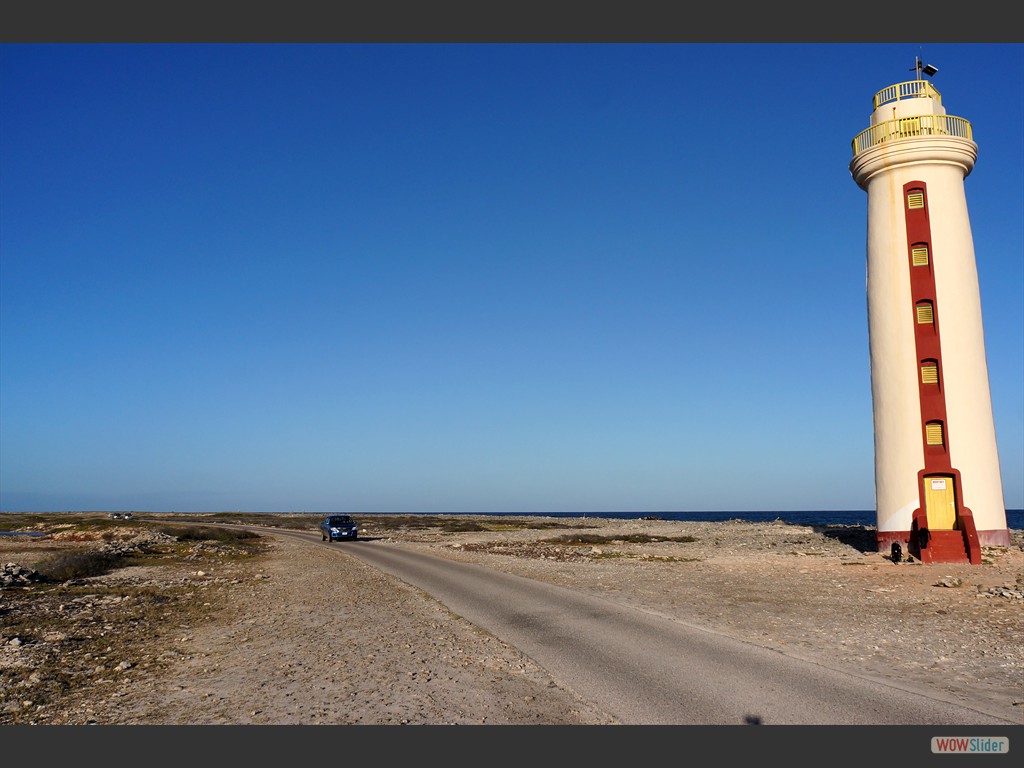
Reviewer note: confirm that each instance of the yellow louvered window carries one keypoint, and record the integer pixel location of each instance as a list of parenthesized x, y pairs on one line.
[(919, 255), (915, 199), (925, 314), (933, 433), (929, 373)]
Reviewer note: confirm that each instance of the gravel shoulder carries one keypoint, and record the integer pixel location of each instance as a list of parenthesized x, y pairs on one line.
[(304, 633)]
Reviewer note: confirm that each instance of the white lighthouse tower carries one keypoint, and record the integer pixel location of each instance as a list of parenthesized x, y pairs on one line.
[(938, 490)]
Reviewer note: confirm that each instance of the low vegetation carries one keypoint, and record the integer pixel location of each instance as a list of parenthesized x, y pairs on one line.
[(207, 533), (645, 558), (78, 564), (455, 524), (588, 539), (297, 520), (83, 629)]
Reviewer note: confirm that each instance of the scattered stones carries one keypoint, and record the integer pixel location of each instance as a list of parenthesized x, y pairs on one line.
[(136, 543), (1006, 592), (949, 581), (15, 575)]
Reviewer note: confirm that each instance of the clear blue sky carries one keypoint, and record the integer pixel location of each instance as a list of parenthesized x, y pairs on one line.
[(464, 278)]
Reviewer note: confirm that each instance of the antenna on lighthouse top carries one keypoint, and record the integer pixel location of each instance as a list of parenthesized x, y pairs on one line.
[(920, 67)]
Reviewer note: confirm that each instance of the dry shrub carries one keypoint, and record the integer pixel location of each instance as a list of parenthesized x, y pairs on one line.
[(583, 539), (206, 533), (77, 565)]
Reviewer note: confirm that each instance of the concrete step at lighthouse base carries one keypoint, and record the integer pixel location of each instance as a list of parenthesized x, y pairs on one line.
[(945, 547)]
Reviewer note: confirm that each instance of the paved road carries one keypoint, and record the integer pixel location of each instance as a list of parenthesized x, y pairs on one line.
[(646, 669)]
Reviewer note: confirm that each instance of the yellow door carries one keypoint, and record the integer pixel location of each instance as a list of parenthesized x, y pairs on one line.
[(940, 503)]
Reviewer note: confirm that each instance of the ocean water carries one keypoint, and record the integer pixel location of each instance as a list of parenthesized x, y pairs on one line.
[(1014, 517)]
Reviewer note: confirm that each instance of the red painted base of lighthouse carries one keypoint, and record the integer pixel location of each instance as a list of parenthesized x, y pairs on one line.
[(942, 546)]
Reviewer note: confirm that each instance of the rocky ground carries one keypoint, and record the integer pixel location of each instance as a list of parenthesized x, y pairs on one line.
[(272, 630)]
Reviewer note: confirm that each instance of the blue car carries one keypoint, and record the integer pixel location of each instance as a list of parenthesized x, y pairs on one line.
[(339, 527)]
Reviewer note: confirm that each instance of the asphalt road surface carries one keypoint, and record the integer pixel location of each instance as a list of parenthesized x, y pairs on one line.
[(646, 669)]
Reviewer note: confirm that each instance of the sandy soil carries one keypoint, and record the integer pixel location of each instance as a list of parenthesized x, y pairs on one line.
[(310, 635)]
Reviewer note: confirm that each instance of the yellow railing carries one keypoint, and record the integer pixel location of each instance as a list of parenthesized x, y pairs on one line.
[(912, 89), (910, 127)]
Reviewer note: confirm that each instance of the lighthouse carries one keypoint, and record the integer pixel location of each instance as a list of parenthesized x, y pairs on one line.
[(938, 490)]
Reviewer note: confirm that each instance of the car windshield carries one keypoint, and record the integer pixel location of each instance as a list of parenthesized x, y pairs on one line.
[(339, 520)]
